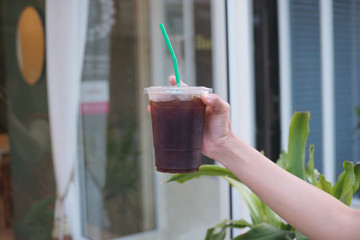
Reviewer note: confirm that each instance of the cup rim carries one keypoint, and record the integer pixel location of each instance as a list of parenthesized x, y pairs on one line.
[(177, 90)]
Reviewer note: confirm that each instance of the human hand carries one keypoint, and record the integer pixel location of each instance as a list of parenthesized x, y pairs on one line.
[(217, 127)]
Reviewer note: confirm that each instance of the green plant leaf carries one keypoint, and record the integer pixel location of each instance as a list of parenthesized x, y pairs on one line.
[(347, 198), (211, 234), (204, 170), (282, 160), (258, 204), (37, 222), (219, 231), (357, 177), (234, 223), (343, 188), (298, 134), (37, 209), (272, 218), (357, 110), (267, 214), (300, 236), (259, 211), (246, 196), (238, 223), (309, 170), (324, 185), (265, 231)]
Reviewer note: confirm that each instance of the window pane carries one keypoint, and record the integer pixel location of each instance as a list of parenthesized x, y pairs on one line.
[(306, 69), (118, 171), (188, 209), (122, 194), (188, 24), (347, 80)]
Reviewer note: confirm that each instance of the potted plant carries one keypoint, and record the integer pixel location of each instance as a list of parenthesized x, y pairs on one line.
[(266, 224)]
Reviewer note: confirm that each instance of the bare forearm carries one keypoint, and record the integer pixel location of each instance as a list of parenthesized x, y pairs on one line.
[(307, 208)]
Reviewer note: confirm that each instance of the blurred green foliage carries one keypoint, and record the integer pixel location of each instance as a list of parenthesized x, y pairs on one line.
[(266, 224)]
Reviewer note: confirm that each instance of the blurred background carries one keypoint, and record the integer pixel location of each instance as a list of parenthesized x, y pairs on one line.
[(268, 58)]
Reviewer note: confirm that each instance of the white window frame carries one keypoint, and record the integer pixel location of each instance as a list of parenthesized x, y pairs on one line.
[(285, 70), (241, 84), (328, 102), (220, 76)]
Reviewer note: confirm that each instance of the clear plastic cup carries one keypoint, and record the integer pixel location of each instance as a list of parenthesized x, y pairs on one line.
[(178, 116)]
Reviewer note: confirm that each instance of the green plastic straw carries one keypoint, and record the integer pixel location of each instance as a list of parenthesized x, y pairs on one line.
[(172, 53)]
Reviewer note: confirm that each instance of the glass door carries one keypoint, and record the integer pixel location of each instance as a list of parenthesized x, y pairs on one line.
[(123, 196)]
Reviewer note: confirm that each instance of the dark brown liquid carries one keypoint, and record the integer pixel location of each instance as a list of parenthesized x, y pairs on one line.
[(178, 132)]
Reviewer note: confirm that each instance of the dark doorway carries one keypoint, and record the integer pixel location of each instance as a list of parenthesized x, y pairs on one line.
[(267, 77)]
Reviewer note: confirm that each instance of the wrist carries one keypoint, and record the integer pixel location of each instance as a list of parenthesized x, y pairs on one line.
[(227, 148)]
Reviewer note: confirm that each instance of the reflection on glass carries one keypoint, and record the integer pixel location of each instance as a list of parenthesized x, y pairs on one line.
[(31, 198), (189, 28), (30, 45), (118, 195)]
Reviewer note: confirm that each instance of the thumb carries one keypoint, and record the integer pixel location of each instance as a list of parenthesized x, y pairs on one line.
[(215, 103)]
